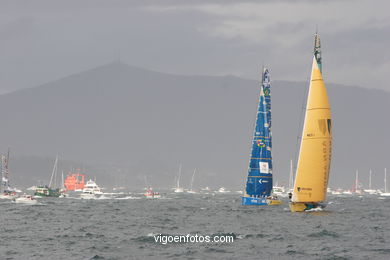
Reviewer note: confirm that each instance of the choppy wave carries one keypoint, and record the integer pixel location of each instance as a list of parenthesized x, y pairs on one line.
[(123, 226)]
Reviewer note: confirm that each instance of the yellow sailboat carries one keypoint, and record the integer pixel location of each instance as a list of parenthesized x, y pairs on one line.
[(312, 174)]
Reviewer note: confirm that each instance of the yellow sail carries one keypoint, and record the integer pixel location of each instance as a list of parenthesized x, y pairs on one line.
[(316, 147)]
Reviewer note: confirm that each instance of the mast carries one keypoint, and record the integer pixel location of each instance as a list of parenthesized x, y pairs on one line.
[(2, 173), (369, 181), (317, 50), (5, 171), (54, 172), (291, 179), (62, 180), (356, 180), (178, 177), (192, 180), (385, 181)]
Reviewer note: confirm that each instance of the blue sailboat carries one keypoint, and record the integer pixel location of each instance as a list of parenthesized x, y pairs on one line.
[(259, 182)]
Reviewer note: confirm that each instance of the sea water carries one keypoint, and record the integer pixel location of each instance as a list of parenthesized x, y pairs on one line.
[(351, 227)]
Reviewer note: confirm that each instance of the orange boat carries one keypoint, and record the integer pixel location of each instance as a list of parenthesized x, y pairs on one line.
[(74, 181)]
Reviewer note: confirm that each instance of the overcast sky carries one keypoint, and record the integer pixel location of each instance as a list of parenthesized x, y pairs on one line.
[(44, 40)]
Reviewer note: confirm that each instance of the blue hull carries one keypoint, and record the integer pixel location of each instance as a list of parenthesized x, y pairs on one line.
[(254, 201)]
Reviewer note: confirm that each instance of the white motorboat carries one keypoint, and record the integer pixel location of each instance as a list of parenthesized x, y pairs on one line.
[(223, 190), (178, 190), (91, 189), (26, 199)]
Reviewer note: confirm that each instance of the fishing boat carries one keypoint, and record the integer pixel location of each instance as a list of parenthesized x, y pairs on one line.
[(150, 194), (259, 181), (49, 190), (6, 192), (74, 181), (311, 179), (26, 199)]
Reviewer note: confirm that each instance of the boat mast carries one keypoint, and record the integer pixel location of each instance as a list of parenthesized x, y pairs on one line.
[(356, 180), (7, 169), (192, 180), (178, 177), (291, 179), (369, 181), (2, 172), (385, 181), (317, 50), (62, 180), (54, 172)]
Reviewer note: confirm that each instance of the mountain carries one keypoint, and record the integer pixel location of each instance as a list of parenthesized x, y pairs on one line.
[(135, 122)]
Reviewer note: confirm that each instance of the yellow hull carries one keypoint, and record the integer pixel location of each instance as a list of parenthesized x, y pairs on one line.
[(305, 206), (272, 202), (297, 206)]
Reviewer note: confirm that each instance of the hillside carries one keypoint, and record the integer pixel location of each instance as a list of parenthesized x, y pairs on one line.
[(142, 122)]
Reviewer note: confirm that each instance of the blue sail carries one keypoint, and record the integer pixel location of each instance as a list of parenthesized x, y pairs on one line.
[(259, 181)]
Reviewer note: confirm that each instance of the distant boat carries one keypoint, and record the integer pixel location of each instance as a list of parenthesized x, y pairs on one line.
[(347, 192), (75, 181), (385, 194), (91, 189), (259, 181), (336, 192), (223, 190), (150, 194), (313, 167), (279, 190), (49, 190), (26, 199), (6, 192), (370, 190), (191, 190), (178, 189)]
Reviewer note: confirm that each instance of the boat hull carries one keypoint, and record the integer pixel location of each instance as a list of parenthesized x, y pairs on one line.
[(304, 206), (8, 196), (272, 202), (25, 201), (46, 192), (252, 201)]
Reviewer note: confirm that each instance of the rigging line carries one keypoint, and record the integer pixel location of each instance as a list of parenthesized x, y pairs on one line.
[(300, 127)]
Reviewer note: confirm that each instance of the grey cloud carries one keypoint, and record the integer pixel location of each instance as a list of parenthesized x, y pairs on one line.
[(46, 40)]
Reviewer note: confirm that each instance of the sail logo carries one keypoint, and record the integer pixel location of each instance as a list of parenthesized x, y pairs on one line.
[(266, 91), (260, 143), (261, 181), (264, 167)]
